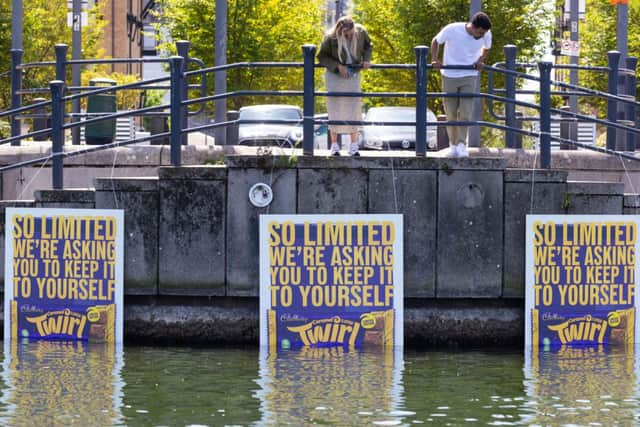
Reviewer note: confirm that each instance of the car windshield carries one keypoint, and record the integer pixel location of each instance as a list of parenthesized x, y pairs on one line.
[(392, 115), (270, 114)]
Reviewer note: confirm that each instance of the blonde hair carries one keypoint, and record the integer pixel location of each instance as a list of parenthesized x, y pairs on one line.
[(343, 24)]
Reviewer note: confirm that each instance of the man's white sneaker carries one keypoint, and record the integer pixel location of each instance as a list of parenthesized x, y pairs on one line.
[(335, 150), (353, 150), (453, 151), (461, 149)]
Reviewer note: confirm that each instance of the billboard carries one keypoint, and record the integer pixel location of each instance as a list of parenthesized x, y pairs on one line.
[(331, 280), (64, 274), (580, 280)]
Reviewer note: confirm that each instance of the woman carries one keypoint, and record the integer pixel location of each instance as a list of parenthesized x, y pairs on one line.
[(345, 45)]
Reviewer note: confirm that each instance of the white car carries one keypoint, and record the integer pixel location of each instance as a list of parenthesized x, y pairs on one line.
[(287, 135), (380, 137), (321, 133)]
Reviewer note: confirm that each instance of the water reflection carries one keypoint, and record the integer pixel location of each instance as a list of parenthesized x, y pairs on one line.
[(56, 383), (330, 386), (582, 385)]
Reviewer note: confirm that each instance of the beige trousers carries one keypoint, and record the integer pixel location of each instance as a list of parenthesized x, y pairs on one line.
[(458, 109)]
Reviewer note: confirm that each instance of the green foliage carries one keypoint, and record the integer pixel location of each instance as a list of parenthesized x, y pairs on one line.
[(5, 128), (258, 31), (597, 37), (398, 26), (151, 99), (44, 26)]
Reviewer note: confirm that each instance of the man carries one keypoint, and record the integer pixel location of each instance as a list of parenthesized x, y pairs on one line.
[(466, 43)]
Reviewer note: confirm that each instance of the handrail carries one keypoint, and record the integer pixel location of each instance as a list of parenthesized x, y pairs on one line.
[(180, 101)]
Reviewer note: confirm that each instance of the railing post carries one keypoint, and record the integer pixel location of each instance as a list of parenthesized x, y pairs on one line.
[(16, 86), (545, 114), (182, 47), (177, 80), (631, 63), (61, 60), (510, 52), (421, 100), (57, 133), (308, 102), (518, 136), (612, 105), (568, 129)]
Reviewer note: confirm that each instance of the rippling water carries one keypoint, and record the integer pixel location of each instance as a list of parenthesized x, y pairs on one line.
[(61, 384)]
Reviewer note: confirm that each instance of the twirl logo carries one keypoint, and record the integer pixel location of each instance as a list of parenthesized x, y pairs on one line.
[(327, 331), (62, 322), (583, 329)]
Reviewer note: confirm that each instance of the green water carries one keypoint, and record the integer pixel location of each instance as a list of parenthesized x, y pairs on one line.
[(57, 384)]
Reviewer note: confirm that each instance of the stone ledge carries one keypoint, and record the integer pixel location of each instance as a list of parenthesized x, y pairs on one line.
[(65, 196), (142, 184), (205, 172), (537, 176), (393, 160), (595, 188)]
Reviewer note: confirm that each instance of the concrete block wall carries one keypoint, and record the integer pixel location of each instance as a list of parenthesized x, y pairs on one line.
[(469, 233), (585, 197), (192, 230), (526, 192), (140, 200)]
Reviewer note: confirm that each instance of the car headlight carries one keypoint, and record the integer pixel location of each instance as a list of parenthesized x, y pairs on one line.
[(295, 135), (432, 139), (374, 141)]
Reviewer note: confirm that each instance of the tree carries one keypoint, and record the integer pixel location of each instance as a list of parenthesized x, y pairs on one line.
[(397, 26), (258, 31), (44, 26), (597, 37)]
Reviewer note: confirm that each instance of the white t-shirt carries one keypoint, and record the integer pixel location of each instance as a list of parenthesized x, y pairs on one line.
[(461, 48)]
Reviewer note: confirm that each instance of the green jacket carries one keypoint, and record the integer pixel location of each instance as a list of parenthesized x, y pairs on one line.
[(328, 54)]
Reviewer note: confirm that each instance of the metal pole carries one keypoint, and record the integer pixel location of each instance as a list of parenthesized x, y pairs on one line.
[(545, 114), (76, 53), (182, 46), (612, 105), (61, 61), (630, 110), (622, 41), (220, 79), (574, 23), (176, 66), (622, 23), (475, 7), (309, 52), (474, 131), (510, 52), (16, 86), (16, 24), (57, 133), (421, 100)]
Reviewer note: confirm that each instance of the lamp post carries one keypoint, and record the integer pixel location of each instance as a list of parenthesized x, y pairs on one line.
[(220, 79), (76, 53), (339, 8), (16, 24), (474, 131), (16, 76)]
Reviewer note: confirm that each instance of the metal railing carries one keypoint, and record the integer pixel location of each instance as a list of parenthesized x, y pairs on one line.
[(180, 102)]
